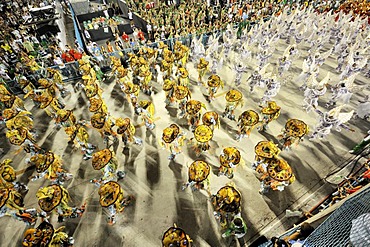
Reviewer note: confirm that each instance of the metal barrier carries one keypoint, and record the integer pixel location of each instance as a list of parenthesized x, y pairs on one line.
[(69, 72), (335, 230)]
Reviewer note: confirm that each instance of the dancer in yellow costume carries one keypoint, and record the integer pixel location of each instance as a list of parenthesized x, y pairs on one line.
[(79, 137), (57, 78), (183, 77), (151, 55), (49, 166), (276, 176), (16, 118), (55, 197), (132, 94), (10, 100), (202, 136), (26, 86), (214, 83), (11, 204), (115, 64), (193, 113), (123, 78), (211, 119), (105, 160), (146, 111), (166, 68), (167, 63), (185, 51), (97, 104), (168, 88), (48, 103), (234, 98), (65, 118), (198, 173), (92, 89), (4, 90), (126, 129), (24, 138), (103, 123), (226, 204), (7, 174), (8, 177), (264, 150), (146, 82), (46, 235), (50, 88), (230, 158), (175, 236), (182, 95), (293, 133), (134, 64), (112, 197), (173, 139), (246, 123), (270, 112), (181, 53), (202, 68)]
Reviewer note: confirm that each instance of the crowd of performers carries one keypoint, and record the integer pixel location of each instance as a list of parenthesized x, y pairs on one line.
[(160, 67)]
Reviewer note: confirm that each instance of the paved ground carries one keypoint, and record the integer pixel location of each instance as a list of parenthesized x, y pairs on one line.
[(156, 182)]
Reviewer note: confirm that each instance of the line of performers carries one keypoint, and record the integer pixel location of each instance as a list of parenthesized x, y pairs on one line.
[(48, 165)]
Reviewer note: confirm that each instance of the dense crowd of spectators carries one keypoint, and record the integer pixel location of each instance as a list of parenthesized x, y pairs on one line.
[(23, 50), (174, 20)]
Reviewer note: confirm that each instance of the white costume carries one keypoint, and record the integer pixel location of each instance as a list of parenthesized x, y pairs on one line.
[(273, 87), (258, 78), (313, 91), (239, 70), (331, 119)]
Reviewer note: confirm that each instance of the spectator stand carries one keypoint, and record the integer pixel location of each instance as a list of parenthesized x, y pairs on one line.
[(44, 18), (137, 20), (28, 42), (42, 14), (96, 25), (101, 26)]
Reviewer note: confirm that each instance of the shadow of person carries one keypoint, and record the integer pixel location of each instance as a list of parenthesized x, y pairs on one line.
[(130, 157), (126, 152), (229, 129), (151, 133), (153, 172), (5, 145), (119, 99), (269, 137), (172, 111), (115, 144), (49, 141), (193, 155), (214, 145), (176, 169)]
